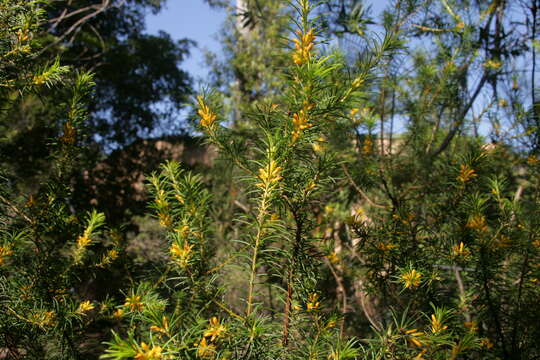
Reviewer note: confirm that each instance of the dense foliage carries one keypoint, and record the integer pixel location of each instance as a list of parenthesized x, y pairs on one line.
[(353, 210)]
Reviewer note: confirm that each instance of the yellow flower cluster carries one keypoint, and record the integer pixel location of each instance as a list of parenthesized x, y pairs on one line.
[(460, 250), (436, 324), (466, 173), (333, 257), (208, 117), (206, 349), (313, 304), (134, 303), (269, 174), (147, 353), (478, 223), (43, 318), (83, 241), (5, 251), (85, 306), (164, 328), (303, 45), (181, 255), (413, 337), (301, 121), (412, 278)]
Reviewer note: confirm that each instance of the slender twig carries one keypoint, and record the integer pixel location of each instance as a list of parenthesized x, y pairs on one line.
[(359, 190)]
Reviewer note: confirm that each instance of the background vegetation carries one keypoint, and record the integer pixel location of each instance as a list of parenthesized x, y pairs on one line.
[(346, 187)]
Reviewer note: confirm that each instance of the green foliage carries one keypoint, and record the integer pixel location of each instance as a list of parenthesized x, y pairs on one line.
[(319, 234)]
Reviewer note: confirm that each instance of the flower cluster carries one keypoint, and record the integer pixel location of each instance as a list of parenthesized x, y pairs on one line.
[(301, 121), (466, 173), (208, 117), (303, 46), (147, 353), (206, 348), (411, 278), (269, 174), (181, 255)]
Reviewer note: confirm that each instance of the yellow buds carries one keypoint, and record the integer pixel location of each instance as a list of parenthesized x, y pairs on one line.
[(411, 278), (83, 241), (84, 307), (301, 121), (208, 118), (478, 223), (466, 173), (436, 324), (118, 313), (5, 251), (181, 255), (164, 328), (216, 329), (313, 304), (460, 250), (147, 353), (413, 337), (205, 350), (134, 303), (303, 45), (333, 257), (269, 174)]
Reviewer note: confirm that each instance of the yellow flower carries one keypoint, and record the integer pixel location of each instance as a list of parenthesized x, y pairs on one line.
[(466, 173), (333, 257), (303, 45), (412, 278), (118, 313), (85, 306), (357, 82), (134, 303), (181, 255), (413, 337), (216, 329), (147, 353), (269, 174), (313, 304), (420, 355), (385, 247), (478, 223), (165, 219), (83, 241), (208, 118), (460, 250), (485, 342), (164, 328), (5, 251), (205, 350), (367, 146), (436, 324), (301, 122)]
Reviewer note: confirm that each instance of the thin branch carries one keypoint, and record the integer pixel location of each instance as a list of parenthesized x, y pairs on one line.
[(357, 188)]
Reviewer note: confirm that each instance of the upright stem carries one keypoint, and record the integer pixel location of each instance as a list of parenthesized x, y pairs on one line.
[(261, 219)]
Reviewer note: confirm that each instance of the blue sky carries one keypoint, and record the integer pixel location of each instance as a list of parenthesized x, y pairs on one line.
[(192, 19)]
